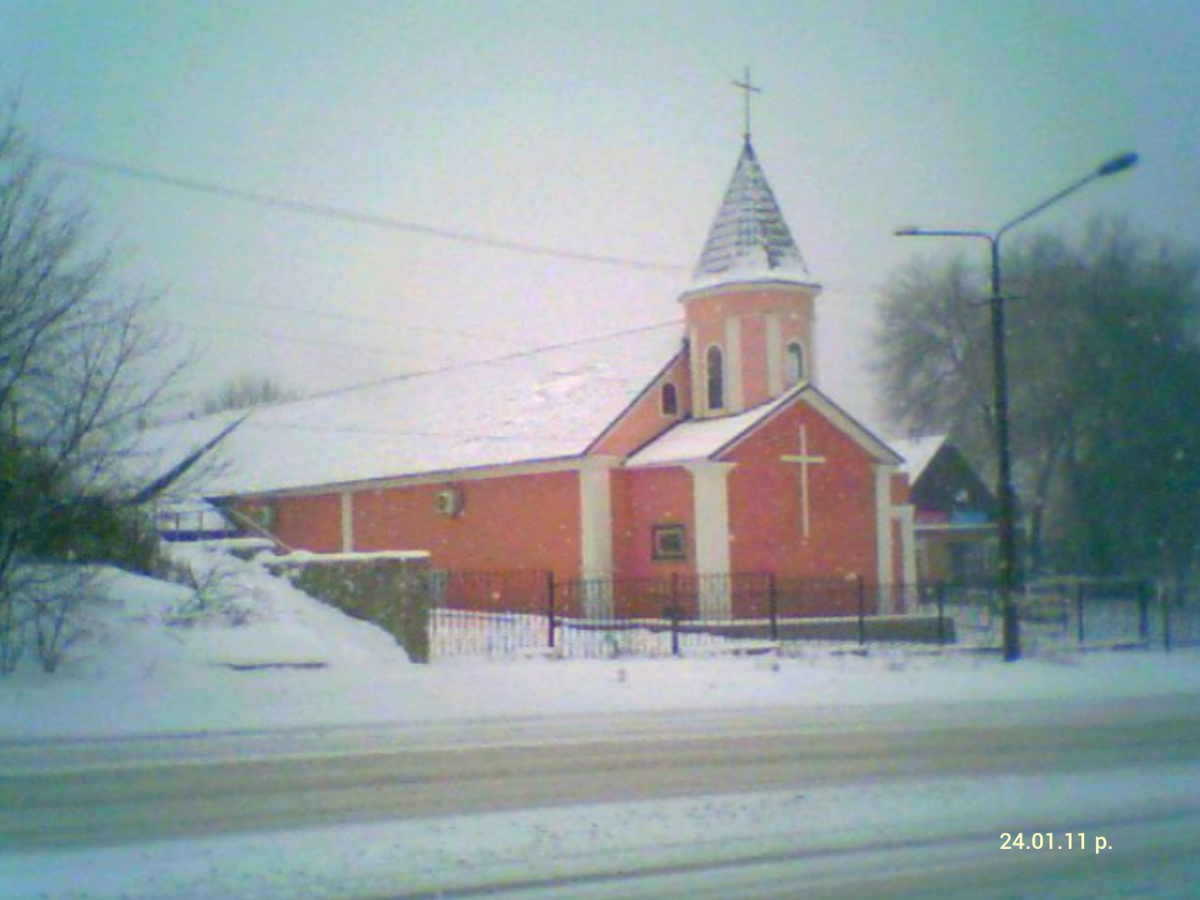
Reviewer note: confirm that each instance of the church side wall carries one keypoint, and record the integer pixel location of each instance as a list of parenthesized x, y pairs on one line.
[(643, 499), (766, 511), (520, 522), (312, 522)]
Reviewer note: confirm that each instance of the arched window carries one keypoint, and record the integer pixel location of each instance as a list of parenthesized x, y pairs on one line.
[(716, 378), (670, 400), (794, 364)]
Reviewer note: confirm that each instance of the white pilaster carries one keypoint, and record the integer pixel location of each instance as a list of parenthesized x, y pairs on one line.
[(695, 363), (734, 398), (883, 533), (907, 517), (347, 522), (774, 354), (710, 494), (595, 496), (596, 531)]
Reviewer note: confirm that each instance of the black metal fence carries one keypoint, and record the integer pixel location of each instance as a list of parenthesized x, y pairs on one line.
[(1081, 612), (513, 613)]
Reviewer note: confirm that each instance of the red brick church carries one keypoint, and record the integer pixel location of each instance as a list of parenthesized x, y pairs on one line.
[(702, 448)]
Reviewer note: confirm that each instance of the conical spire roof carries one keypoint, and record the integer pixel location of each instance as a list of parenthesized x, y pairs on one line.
[(749, 238)]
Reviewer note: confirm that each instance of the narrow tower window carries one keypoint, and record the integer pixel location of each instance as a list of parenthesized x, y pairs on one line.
[(795, 364), (716, 379), (670, 400)]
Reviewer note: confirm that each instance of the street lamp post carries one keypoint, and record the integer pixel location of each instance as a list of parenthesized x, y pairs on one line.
[(1007, 570)]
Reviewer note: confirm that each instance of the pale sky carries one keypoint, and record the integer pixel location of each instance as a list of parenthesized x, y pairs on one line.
[(607, 128)]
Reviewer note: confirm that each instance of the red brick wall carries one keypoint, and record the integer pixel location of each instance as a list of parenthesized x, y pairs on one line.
[(520, 522), (312, 522), (642, 499), (765, 509), (755, 388)]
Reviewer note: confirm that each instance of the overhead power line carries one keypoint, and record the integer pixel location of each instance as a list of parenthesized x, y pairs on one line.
[(370, 219), (341, 316), (276, 335), (467, 364), (315, 427), (506, 357), (448, 363), (348, 215)]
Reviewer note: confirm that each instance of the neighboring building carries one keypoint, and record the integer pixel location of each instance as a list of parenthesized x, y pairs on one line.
[(700, 449), (194, 520), (955, 513)]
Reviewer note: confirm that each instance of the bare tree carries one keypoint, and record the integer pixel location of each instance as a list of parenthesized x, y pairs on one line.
[(1103, 366), (246, 392), (75, 354)]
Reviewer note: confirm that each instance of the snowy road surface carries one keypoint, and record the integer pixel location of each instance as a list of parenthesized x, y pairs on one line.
[(1157, 861), (97, 796), (895, 802)]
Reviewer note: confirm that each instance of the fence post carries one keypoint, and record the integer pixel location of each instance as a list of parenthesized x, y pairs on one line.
[(674, 614), (550, 610), (1166, 613), (940, 594), (1143, 612), (1079, 612), (862, 610), (773, 606)]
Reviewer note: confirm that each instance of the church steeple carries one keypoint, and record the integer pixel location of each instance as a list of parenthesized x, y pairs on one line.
[(751, 315), (749, 236)]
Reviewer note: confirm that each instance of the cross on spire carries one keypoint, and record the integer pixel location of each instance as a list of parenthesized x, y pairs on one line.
[(748, 87)]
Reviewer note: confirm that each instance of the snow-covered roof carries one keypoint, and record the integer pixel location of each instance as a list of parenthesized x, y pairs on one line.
[(697, 439), (749, 238), (918, 452), (535, 406)]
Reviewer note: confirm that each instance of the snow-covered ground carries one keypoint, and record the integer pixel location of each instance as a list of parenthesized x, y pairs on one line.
[(259, 657)]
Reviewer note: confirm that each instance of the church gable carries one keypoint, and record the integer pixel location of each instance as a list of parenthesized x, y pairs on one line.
[(664, 402), (803, 498), (809, 492)]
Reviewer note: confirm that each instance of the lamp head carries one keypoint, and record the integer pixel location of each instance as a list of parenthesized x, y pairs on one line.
[(1118, 164)]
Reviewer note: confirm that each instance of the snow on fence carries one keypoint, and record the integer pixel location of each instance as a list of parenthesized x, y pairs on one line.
[(506, 614)]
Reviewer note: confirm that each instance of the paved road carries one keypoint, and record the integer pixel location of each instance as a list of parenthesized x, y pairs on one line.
[(1158, 861), (102, 793)]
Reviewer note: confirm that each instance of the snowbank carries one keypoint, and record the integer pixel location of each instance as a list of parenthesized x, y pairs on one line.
[(240, 649)]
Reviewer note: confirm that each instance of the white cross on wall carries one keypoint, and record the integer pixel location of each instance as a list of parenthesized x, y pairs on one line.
[(804, 460)]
